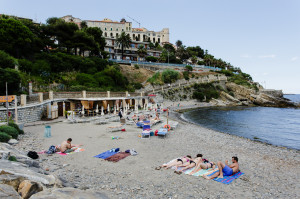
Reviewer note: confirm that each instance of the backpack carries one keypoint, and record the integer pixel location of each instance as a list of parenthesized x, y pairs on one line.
[(33, 155), (52, 149)]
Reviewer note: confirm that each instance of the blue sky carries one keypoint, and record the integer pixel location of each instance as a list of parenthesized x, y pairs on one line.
[(262, 37)]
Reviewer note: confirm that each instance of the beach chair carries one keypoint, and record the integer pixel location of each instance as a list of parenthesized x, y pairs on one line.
[(162, 132), (116, 128), (146, 131)]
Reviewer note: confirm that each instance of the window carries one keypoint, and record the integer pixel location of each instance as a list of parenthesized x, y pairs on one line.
[(117, 29), (126, 28), (111, 34), (105, 34), (105, 28), (117, 34), (111, 29), (122, 30)]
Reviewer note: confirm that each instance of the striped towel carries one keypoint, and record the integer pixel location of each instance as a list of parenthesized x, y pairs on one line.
[(228, 179)]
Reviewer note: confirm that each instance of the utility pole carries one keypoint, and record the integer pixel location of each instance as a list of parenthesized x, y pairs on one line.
[(7, 105)]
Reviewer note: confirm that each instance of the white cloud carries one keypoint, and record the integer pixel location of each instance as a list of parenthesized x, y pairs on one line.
[(246, 56), (294, 58), (267, 56)]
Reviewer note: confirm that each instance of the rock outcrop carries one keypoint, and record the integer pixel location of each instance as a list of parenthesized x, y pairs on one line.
[(267, 98)]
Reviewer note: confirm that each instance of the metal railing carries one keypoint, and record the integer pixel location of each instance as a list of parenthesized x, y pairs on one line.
[(163, 64)]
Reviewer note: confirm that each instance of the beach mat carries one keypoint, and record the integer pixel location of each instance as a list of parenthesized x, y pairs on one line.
[(117, 157), (227, 179), (76, 151), (105, 154)]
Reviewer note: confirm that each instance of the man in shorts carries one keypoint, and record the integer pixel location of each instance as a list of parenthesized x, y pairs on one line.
[(66, 146), (225, 169)]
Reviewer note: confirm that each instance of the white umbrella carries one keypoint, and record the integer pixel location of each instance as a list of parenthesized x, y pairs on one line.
[(108, 110), (82, 112), (136, 109), (115, 111), (97, 109), (117, 106), (102, 113)]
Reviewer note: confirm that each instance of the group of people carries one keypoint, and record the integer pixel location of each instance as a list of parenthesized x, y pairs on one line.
[(187, 162)]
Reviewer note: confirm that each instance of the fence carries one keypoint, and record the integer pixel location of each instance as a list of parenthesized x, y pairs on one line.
[(164, 64)]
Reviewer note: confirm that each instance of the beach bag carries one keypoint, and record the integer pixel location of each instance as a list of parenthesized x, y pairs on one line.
[(123, 130), (52, 149), (33, 155)]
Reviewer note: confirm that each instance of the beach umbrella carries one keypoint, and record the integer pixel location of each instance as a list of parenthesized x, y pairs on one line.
[(102, 113), (97, 109), (115, 111), (128, 107), (117, 106), (136, 109), (108, 110), (82, 111)]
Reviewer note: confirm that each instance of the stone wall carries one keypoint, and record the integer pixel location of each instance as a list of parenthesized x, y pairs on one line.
[(26, 114)]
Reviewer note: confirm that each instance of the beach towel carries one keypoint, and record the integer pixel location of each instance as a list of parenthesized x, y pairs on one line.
[(75, 151), (105, 154), (117, 157), (227, 179)]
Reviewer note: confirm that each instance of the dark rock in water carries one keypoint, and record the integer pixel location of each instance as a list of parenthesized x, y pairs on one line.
[(63, 193), (8, 192)]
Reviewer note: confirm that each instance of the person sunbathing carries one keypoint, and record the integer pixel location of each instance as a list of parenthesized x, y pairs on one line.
[(203, 165), (67, 147), (225, 169), (176, 163), (192, 163)]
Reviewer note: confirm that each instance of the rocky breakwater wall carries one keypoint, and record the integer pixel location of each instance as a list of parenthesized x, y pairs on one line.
[(25, 178), (267, 98)]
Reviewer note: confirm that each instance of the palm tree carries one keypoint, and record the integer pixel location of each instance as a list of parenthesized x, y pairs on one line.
[(124, 41), (142, 52), (178, 43)]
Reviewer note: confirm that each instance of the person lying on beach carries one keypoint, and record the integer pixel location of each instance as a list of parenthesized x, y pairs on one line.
[(67, 147), (203, 165), (225, 169), (176, 163), (192, 163), (157, 117)]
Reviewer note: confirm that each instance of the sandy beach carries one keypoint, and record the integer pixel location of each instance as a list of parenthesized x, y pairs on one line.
[(270, 171)]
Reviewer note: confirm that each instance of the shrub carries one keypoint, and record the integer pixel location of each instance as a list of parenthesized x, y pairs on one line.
[(170, 76), (186, 75), (12, 158), (10, 131), (198, 95), (189, 68), (155, 79), (136, 66), (4, 137), (12, 124), (151, 58)]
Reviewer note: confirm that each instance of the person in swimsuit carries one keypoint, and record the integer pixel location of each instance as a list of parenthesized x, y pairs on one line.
[(225, 169), (192, 163), (176, 163), (203, 165), (67, 147)]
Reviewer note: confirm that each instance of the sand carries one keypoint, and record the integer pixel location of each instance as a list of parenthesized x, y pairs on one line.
[(270, 171)]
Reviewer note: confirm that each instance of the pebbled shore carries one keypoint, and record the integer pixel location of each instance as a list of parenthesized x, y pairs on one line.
[(270, 171)]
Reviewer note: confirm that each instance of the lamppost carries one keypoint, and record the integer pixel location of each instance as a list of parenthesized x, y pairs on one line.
[(168, 57)]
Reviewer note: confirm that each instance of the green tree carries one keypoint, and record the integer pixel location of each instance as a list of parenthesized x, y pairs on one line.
[(15, 37), (100, 43), (7, 61), (13, 79), (123, 41), (178, 43), (182, 53), (142, 52)]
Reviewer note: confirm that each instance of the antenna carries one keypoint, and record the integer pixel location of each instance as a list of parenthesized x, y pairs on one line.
[(135, 21)]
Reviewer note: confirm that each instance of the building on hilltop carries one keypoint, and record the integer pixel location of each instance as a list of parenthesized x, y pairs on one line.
[(139, 36)]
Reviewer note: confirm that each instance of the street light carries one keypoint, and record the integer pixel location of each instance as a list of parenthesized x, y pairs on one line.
[(168, 57)]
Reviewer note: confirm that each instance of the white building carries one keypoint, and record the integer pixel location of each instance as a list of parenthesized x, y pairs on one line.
[(139, 36)]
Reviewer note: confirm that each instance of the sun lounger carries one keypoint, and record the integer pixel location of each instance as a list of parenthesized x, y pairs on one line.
[(116, 128), (162, 132)]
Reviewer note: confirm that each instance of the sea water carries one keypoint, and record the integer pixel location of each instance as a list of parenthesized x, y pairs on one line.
[(277, 126)]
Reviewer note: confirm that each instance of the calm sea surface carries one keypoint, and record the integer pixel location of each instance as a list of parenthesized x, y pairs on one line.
[(277, 126)]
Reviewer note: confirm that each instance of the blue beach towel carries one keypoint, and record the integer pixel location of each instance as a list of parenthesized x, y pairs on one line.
[(105, 154), (228, 179)]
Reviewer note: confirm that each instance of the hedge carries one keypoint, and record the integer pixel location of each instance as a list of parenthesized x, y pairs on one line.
[(10, 131), (4, 137), (12, 124)]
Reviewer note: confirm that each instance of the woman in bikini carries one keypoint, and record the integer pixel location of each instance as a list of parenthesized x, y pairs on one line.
[(202, 165), (178, 162), (192, 163)]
